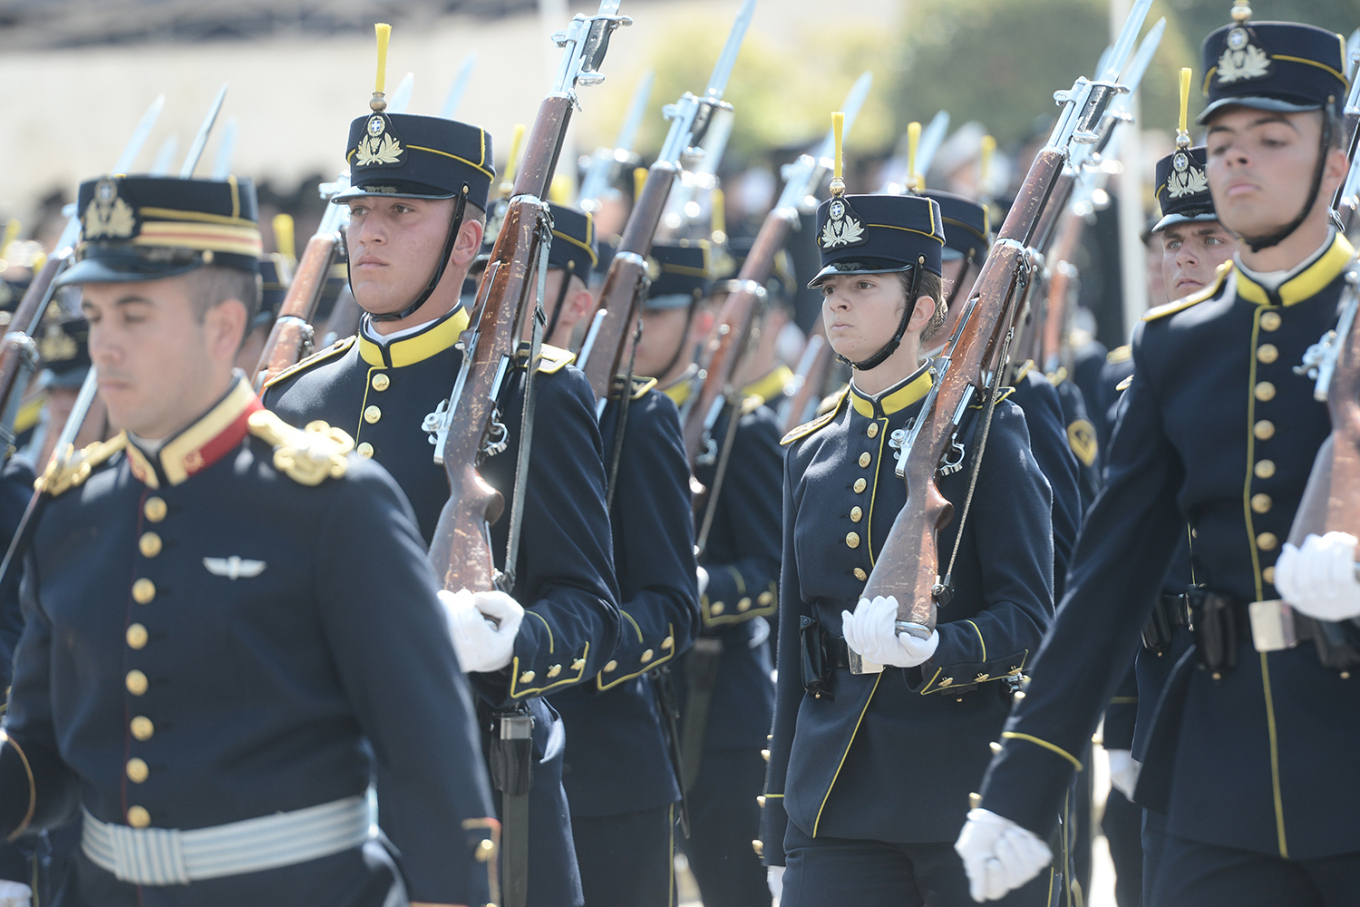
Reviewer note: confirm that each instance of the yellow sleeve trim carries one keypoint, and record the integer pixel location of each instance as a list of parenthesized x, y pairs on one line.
[(32, 785), (1051, 747), (320, 356), (980, 639), (516, 678), (546, 625), (601, 685)]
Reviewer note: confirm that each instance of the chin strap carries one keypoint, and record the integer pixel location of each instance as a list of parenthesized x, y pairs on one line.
[(1256, 244), (567, 273), (454, 227), (891, 346)]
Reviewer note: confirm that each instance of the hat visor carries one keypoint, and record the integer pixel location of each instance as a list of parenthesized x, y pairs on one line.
[(122, 269), (354, 192), (1275, 105), (867, 266), (668, 301), (1172, 219)]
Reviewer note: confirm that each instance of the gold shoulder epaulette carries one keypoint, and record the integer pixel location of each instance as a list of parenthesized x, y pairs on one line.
[(641, 386), (62, 477), (320, 356), (1209, 291), (1119, 354), (751, 404), (553, 359), (1124, 385), (1024, 370), (1005, 392), (822, 419), (1058, 377), (831, 400), (308, 455)]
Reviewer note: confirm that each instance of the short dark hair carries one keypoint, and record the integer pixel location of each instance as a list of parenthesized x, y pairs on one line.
[(931, 285), (212, 285)]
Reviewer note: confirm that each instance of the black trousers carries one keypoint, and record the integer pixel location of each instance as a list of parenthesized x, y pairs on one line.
[(627, 859), (1194, 874), (724, 819), (1154, 843), (1122, 824), (824, 871)]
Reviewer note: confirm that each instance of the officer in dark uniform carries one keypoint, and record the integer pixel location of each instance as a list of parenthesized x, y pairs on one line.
[(415, 226), (618, 771), (726, 694), (1217, 430), (205, 679), (867, 770)]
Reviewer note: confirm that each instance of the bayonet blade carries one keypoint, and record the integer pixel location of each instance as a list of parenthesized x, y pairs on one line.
[(717, 83), (226, 149), (201, 140), (401, 98), (1124, 45), (637, 109), (459, 87), (932, 137), (134, 145), (161, 165), (1143, 59)]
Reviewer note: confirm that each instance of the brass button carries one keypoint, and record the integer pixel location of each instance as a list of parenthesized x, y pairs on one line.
[(1263, 430), (995, 747), (1265, 469), (981, 678), (759, 847), (1267, 541), (554, 671), (872, 430), (526, 677), (381, 382), (946, 681), (647, 656), (717, 608), (579, 664), (852, 539), (1267, 353), (668, 642), (1270, 321), (364, 450), (860, 485), (155, 509), (865, 459), (136, 636), (372, 414), (142, 728), (136, 682), (149, 544), (486, 851), (765, 598), (760, 801), (138, 817), (1268, 575), (611, 667), (1194, 533), (860, 574), (137, 770), (1261, 503), (765, 754), (856, 514), (744, 604), (143, 591), (1265, 391)]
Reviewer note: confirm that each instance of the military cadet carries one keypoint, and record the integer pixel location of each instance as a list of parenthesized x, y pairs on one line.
[(727, 696), (867, 770), (65, 358), (206, 682), (618, 771), (416, 219), (1218, 430), (274, 278), (775, 339)]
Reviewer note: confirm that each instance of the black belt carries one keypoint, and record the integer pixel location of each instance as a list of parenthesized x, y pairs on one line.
[(1220, 622)]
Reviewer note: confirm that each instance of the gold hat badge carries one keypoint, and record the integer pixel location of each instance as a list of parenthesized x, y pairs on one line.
[(377, 145), (1242, 58), (108, 215), (842, 226), (1185, 178)]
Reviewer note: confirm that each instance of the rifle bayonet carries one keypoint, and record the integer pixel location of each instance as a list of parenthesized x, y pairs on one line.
[(201, 140), (459, 87), (226, 149)]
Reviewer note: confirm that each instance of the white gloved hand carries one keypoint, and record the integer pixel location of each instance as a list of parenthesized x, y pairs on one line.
[(1124, 771), (483, 626), (869, 631), (774, 877), (703, 579), (15, 894), (998, 855), (1319, 579)]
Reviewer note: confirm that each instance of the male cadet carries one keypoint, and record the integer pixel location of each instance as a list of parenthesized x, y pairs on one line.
[(775, 339), (1219, 431), (205, 677), (416, 219), (727, 691), (618, 772)]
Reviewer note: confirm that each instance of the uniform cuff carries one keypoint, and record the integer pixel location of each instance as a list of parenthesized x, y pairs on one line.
[(1028, 780)]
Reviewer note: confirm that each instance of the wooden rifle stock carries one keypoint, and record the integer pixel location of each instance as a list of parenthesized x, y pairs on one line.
[(1060, 289), (544, 146), (291, 335), (20, 356), (908, 563)]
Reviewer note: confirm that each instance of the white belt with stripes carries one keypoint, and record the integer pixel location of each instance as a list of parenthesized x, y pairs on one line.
[(161, 856)]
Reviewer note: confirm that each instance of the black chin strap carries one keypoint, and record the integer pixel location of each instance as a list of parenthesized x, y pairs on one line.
[(891, 346), (1256, 244), (454, 227), (561, 298)]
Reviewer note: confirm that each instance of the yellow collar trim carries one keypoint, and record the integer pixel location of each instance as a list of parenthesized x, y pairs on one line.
[(410, 350), (678, 393), (771, 386), (893, 401), (1305, 285), (182, 455)]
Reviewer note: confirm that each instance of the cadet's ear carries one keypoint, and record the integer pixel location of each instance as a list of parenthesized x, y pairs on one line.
[(225, 324), (921, 315), (469, 242)]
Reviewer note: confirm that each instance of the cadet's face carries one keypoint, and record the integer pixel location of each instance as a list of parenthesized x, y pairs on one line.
[(159, 365), (1191, 253), (662, 333), (861, 312), (394, 247), (1152, 266), (1261, 166)]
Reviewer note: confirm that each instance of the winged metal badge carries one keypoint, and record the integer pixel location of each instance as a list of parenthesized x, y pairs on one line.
[(233, 567), (377, 148), (1185, 179), (1242, 59), (107, 214), (842, 227)]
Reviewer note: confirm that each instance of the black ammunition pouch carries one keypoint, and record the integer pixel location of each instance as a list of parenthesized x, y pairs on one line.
[(1170, 612), (817, 666), (1220, 622)]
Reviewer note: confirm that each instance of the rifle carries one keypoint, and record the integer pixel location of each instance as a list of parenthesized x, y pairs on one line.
[(19, 356), (683, 208), (605, 162), (609, 338), (1347, 198), (908, 566), (809, 378)]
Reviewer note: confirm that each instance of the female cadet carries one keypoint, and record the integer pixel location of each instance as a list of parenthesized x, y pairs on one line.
[(868, 771)]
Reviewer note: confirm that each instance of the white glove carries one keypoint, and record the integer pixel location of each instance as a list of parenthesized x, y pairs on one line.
[(1124, 771), (869, 631), (1319, 578), (703, 579), (483, 626), (998, 855), (774, 877), (15, 894)]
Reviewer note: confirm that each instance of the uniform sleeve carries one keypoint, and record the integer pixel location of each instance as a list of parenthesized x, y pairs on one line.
[(392, 651), (1010, 521), (1052, 450), (746, 585), (653, 531), (788, 695), (1121, 558), (1122, 715), (565, 579)]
